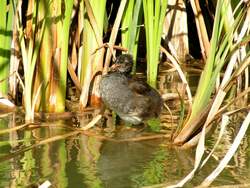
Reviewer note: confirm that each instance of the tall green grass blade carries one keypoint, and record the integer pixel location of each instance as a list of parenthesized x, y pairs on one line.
[(126, 21), (136, 21), (61, 92), (6, 15), (130, 27), (154, 13), (205, 79)]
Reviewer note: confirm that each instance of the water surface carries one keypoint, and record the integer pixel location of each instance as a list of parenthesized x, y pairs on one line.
[(89, 161)]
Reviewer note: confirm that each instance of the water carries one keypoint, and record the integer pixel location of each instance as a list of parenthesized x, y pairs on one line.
[(92, 161)]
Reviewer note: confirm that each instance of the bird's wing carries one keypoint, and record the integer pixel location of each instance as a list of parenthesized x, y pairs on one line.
[(139, 87)]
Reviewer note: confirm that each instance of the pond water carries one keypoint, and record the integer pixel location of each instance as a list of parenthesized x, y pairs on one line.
[(92, 161)]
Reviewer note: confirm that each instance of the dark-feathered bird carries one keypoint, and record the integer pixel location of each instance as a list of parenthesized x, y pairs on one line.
[(133, 100)]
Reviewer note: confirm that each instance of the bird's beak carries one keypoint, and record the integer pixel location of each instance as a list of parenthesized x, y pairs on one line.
[(114, 67)]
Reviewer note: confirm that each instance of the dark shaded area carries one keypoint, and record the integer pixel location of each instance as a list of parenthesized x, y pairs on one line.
[(193, 40), (24, 12), (4, 53), (127, 161), (208, 12), (5, 33)]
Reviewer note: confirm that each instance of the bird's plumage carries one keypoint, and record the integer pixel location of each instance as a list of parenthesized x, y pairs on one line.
[(133, 100)]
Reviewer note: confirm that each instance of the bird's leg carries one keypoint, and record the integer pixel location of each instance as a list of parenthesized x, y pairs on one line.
[(110, 122)]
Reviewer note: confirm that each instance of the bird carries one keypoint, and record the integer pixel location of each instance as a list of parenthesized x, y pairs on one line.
[(133, 100)]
